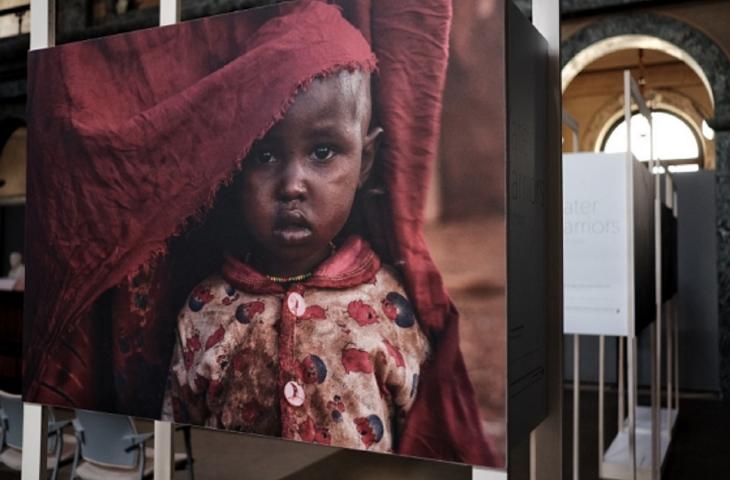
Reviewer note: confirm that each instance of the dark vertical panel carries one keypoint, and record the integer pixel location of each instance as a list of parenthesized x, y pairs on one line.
[(698, 289), (644, 248), (526, 226)]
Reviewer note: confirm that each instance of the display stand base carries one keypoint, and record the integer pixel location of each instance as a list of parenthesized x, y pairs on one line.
[(617, 460), (643, 420)]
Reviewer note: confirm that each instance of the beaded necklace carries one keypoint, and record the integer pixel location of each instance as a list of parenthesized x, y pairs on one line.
[(294, 278)]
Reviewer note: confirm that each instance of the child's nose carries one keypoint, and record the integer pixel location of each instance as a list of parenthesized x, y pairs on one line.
[(293, 184)]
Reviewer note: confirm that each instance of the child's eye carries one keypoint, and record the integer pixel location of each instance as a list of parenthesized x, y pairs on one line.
[(264, 158), (322, 153)]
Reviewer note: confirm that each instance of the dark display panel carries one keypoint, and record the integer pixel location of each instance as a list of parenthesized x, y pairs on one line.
[(644, 247)]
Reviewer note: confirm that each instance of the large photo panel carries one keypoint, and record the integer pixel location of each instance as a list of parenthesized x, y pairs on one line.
[(288, 221)]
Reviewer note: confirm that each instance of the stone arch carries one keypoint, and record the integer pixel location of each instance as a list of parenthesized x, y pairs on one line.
[(712, 64), (649, 30)]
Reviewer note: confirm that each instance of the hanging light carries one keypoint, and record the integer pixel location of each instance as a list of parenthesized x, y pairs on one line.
[(642, 71)]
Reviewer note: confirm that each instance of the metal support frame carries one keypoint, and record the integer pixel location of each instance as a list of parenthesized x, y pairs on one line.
[(35, 442), (169, 12), (35, 417), (545, 441), (164, 448), (631, 363), (572, 124), (674, 320), (621, 383), (631, 370), (42, 24), (601, 396), (672, 392), (164, 445), (631, 94), (164, 451), (656, 403), (669, 201), (675, 326), (670, 366), (576, 407), (659, 335), (545, 455)]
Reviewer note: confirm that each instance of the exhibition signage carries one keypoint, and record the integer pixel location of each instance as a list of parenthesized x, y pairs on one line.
[(608, 243)]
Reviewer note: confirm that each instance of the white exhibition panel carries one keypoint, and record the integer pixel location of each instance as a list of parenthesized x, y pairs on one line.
[(598, 244)]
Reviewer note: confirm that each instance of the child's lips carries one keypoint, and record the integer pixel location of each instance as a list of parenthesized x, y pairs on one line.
[(292, 227), (293, 235)]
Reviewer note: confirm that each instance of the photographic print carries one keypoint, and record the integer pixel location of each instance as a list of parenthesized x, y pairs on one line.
[(287, 221)]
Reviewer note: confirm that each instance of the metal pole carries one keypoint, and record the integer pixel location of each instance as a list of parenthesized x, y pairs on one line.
[(546, 440), (676, 360), (631, 340), (35, 417), (631, 357), (164, 449), (601, 393), (621, 384), (35, 442), (164, 452), (657, 352), (675, 325), (169, 12), (576, 406), (655, 391), (42, 24), (670, 367), (627, 111)]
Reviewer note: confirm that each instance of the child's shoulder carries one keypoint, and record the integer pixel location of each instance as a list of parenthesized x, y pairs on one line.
[(388, 277)]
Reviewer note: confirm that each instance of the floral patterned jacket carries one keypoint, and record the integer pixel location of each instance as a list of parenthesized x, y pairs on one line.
[(332, 360)]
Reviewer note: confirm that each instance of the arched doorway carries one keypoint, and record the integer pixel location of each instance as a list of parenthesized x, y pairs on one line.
[(707, 60)]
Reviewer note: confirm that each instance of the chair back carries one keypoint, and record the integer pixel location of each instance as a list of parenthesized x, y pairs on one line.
[(105, 439), (12, 407)]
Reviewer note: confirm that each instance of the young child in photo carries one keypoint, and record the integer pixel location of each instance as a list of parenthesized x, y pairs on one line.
[(213, 238), (303, 334)]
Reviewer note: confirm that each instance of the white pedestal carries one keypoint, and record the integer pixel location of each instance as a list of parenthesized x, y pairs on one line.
[(617, 460)]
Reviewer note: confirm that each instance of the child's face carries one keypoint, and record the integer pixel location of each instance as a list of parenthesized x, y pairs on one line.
[(299, 181)]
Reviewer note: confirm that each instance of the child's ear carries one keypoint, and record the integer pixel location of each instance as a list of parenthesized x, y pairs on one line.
[(369, 149)]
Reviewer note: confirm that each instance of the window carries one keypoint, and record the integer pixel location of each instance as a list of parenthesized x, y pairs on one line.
[(674, 139), (14, 17)]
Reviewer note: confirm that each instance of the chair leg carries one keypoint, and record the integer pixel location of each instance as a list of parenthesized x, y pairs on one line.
[(57, 456), (77, 454), (189, 452), (141, 461)]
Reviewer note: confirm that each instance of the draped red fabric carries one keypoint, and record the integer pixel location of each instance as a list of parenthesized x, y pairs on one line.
[(131, 138)]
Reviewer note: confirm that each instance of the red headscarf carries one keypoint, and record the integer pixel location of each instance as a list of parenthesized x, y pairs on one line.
[(132, 136)]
